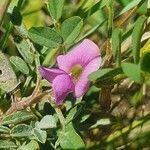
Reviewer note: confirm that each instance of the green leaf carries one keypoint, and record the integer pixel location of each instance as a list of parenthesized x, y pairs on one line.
[(145, 62), (137, 97), (106, 72), (91, 31), (47, 122), (32, 145), (5, 144), (136, 37), (71, 28), (45, 36), (17, 117), (55, 8), (101, 122), (16, 17), (132, 71), (116, 45), (19, 64), (93, 9), (71, 140), (4, 129), (40, 135), (50, 58), (143, 9), (73, 112), (24, 49), (8, 80), (21, 130), (130, 5)]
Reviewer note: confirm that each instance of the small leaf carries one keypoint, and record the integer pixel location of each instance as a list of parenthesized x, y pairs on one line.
[(40, 135), (101, 122), (71, 140), (55, 8), (24, 49), (104, 73), (17, 117), (50, 58), (116, 45), (5, 144), (32, 145), (137, 97), (47, 122), (4, 129), (130, 5), (91, 31), (21, 130), (71, 28), (73, 112), (145, 62), (45, 36), (96, 7), (16, 17), (19, 64), (132, 71), (8, 80), (136, 38)]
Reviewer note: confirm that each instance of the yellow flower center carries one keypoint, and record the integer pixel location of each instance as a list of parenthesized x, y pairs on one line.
[(76, 71)]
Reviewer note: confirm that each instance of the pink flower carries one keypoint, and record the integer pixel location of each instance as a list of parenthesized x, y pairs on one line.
[(71, 76)]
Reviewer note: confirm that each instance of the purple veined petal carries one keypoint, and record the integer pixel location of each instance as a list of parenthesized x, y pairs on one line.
[(81, 54), (83, 83), (62, 85), (50, 73)]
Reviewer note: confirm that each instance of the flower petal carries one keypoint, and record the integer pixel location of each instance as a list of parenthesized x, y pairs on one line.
[(83, 83), (50, 74), (82, 54), (62, 85)]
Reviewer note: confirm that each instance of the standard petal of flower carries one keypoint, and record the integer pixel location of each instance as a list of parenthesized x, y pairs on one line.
[(62, 85), (50, 74), (82, 54), (83, 83)]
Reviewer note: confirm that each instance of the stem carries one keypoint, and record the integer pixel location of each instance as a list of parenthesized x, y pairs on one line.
[(37, 63), (6, 36), (61, 117), (62, 122), (110, 18), (3, 9)]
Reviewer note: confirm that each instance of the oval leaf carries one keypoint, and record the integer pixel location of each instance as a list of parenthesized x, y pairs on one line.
[(4, 129), (17, 117), (5, 144), (21, 130), (24, 49), (45, 36), (47, 122), (104, 73), (71, 29), (132, 71), (32, 145), (8, 80), (71, 140), (55, 8), (19, 64), (40, 135)]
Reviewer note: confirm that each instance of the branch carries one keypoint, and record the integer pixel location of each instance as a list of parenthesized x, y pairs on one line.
[(25, 102)]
